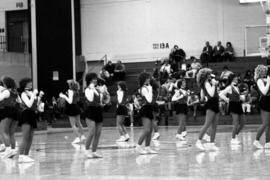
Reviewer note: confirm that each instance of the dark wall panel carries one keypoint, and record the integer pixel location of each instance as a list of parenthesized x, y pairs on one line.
[(54, 44)]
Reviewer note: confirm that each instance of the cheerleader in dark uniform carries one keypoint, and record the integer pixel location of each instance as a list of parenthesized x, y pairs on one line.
[(10, 100), (146, 113), (208, 87), (121, 111), (73, 110), (231, 95), (93, 114), (180, 105), (263, 83), (28, 120), (2, 116)]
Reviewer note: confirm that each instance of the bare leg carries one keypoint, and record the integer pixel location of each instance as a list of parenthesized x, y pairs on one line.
[(91, 132), (214, 128), (97, 136), (242, 123), (79, 125), (210, 115), (26, 130), (119, 122), (72, 120), (12, 130), (147, 124), (235, 118), (265, 122), (30, 140)]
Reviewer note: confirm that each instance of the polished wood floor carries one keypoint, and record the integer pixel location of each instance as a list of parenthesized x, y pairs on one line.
[(57, 159)]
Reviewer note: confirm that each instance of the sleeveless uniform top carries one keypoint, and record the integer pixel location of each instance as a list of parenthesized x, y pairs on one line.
[(12, 100), (33, 107), (234, 96), (208, 95), (2, 102), (96, 100), (124, 100), (184, 99), (264, 101), (267, 94), (76, 97)]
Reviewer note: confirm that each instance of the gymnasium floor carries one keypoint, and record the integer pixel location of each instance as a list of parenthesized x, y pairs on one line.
[(57, 159)]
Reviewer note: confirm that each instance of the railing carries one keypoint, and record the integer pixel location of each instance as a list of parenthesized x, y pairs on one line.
[(14, 44)]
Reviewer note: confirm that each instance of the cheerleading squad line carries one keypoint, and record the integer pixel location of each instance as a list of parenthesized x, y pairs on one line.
[(21, 108)]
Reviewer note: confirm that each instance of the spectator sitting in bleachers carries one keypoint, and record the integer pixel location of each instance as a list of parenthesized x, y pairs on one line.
[(105, 76), (156, 71), (195, 66), (165, 71), (110, 68), (218, 52), (178, 55), (248, 78), (225, 74), (206, 55), (193, 101), (119, 71), (229, 52)]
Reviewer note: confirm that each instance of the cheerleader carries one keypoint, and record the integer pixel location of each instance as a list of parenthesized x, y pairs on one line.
[(231, 95), (93, 114), (73, 110), (263, 83), (2, 116), (146, 113), (121, 111), (180, 104), (10, 99), (28, 121), (208, 87)]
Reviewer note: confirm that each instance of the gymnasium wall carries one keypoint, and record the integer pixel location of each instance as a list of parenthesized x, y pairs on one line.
[(8, 5), (128, 29)]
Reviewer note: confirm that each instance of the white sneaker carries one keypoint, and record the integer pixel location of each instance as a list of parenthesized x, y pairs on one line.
[(156, 136), (27, 159), (140, 150), (121, 139), (7, 152), (235, 141), (199, 145), (150, 151), (180, 137), (83, 138), (88, 154), (257, 144), (96, 155), (207, 138), (127, 137), (2, 147), (76, 141), (184, 133), (211, 147), (267, 145), (13, 153)]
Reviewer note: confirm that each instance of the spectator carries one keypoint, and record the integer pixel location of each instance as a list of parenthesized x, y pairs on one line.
[(166, 68), (206, 55), (218, 52), (156, 71), (195, 66), (248, 78), (229, 52), (193, 101), (105, 76), (225, 74), (120, 71), (178, 55), (110, 68)]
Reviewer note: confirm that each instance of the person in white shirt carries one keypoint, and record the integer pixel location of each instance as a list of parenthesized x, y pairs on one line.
[(121, 111), (263, 83), (72, 98), (231, 95), (28, 121), (93, 114), (180, 104), (209, 92), (146, 113), (166, 68)]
